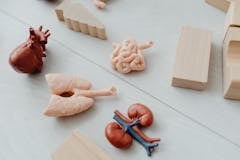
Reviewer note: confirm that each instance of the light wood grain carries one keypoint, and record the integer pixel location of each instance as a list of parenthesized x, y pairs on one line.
[(79, 19), (231, 64), (192, 59), (77, 147)]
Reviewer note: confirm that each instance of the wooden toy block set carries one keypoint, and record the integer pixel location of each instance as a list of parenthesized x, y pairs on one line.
[(71, 95), (231, 47)]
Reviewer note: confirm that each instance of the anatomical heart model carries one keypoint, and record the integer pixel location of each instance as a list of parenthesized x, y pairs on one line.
[(128, 56), (71, 95), (27, 57), (121, 133)]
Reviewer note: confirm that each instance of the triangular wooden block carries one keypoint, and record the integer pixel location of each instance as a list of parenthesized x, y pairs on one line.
[(221, 4), (79, 19), (78, 147)]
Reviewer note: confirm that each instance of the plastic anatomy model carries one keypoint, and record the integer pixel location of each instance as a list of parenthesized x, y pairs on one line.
[(128, 56), (27, 57), (121, 133), (101, 4), (71, 95)]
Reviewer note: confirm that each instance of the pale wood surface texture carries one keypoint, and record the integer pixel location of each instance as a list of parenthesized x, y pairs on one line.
[(77, 146), (192, 58), (192, 125)]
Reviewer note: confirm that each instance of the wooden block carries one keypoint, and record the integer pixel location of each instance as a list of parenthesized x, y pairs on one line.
[(78, 147), (79, 19), (220, 4), (192, 59), (233, 16), (231, 64)]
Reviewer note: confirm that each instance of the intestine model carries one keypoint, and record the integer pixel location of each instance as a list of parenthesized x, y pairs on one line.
[(27, 57), (128, 56), (71, 95), (101, 4), (121, 133)]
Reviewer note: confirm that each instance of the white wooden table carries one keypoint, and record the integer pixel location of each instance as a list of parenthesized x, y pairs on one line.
[(193, 125)]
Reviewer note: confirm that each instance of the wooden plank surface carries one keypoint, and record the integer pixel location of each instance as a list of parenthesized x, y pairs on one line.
[(184, 118)]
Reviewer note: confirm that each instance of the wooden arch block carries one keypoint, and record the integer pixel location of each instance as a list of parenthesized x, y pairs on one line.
[(79, 19), (78, 147), (231, 64), (192, 59)]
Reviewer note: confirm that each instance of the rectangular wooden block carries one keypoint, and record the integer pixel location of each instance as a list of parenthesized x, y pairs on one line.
[(78, 147), (231, 64), (192, 59)]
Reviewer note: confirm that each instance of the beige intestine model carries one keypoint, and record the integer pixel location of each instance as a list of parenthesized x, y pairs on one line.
[(101, 4), (128, 56), (71, 95)]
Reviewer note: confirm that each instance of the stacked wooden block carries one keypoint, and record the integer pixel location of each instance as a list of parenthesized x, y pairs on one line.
[(231, 53), (231, 47)]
